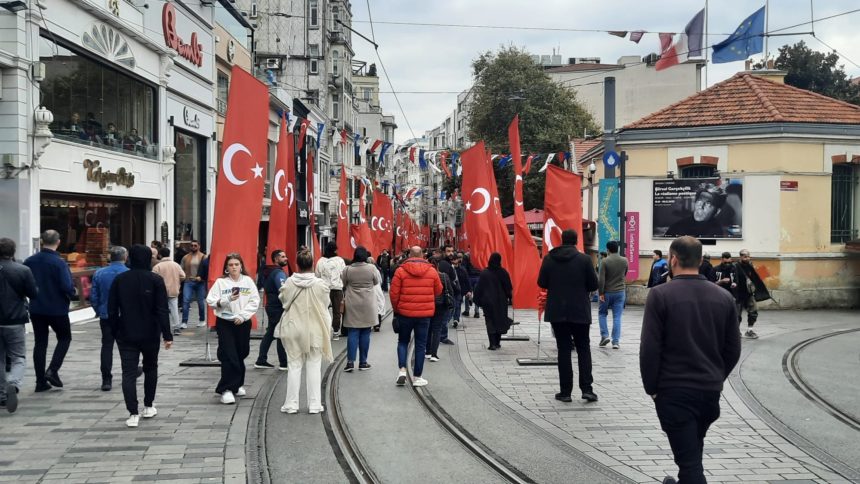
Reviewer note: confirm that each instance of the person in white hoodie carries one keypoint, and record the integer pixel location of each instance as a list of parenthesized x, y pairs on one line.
[(235, 299), (329, 269), (305, 333)]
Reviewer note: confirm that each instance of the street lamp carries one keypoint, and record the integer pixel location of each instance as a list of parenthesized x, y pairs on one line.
[(15, 6), (592, 169)]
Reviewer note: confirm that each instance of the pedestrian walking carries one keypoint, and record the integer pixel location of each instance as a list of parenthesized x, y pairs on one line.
[(725, 274), (474, 273), (99, 297), (690, 344), (446, 259), (304, 330), (384, 264), (493, 294), (569, 278), (659, 269), (194, 287), (235, 299), (50, 309), (173, 275), (413, 292), (329, 268), (360, 313), (465, 292), (443, 305), (610, 286), (139, 320), (17, 284), (707, 269), (750, 290), (275, 279), (380, 302)]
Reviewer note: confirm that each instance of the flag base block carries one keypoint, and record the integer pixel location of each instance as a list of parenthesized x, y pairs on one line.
[(515, 338), (537, 361), (200, 362)]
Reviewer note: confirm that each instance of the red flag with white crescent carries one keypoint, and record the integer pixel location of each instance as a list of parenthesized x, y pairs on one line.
[(526, 264), (344, 247), (482, 220), (361, 232), (562, 207), (303, 130), (282, 217), (381, 222), (315, 241), (239, 189)]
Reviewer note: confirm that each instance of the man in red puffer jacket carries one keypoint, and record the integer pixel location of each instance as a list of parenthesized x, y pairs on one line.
[(413, 294)]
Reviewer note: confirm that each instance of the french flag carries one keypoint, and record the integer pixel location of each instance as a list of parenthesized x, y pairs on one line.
[(689, 44)]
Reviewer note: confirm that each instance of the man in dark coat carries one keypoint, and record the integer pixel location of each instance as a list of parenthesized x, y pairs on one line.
[(276, 276), (16, 285), (139, 319), (568, 277), (725, 274), (492, 293), (750, 290), (706, 269)]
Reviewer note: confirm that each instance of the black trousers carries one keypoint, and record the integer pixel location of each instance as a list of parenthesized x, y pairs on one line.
[(234, 345), (274, 317), (685, 415), (129, 356), (495, 338), (62, 329), (564, 332), (336, 296), (107, 350), (435, 331)]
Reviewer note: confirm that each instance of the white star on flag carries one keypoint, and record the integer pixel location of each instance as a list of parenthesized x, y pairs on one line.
[(258, 170)]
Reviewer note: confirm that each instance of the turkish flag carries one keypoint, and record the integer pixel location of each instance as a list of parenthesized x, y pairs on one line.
[(482, 217), (562, 206), (501, 237), (527, 262), (315, 241), (361, 232), (239, 189), (303, 130), (344, 247), (282, 217), (381, 220)]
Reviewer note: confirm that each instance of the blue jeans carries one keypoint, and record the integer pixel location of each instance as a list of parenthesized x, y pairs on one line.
[(358, 338), (197, 291), (614, 301), (458, 306), (407, 326), (12, 341)]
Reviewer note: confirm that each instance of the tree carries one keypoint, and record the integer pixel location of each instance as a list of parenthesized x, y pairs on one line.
[(509, 82), (816, 71)]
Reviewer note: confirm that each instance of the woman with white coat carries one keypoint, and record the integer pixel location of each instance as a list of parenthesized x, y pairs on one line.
[(235, 299), (305, 331), (380, 300)]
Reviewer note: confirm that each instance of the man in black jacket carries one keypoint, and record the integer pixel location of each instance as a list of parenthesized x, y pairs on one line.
[(16, 285), (275, 278), (690, 343), (445, 266), (568, 277), (139, 317)]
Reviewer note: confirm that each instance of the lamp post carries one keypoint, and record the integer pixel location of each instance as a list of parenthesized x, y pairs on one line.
[(592, 168)]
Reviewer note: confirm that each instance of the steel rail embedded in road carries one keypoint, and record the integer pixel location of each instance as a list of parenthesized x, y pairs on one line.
[(791, 369)]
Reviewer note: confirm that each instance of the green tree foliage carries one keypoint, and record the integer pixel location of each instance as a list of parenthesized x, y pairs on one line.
[(506, 83), (816, 71)]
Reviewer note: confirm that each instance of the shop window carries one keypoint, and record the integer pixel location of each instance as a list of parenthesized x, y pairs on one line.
[(89, 226), (699, 171), (843, 203), (325, 178), (189, 188), (223, 89), (95, 104)]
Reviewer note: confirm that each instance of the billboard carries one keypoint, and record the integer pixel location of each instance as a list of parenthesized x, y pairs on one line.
[(707, 208), (607, 212)]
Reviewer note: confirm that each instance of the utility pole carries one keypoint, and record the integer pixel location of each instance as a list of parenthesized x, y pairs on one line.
[(609, 121)]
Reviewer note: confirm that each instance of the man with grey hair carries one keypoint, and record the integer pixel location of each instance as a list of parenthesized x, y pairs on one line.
[(50, 309), (102, 281), (16, 285)]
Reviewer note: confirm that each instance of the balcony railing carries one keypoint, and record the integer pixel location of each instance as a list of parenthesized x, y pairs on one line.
[(128, 146)]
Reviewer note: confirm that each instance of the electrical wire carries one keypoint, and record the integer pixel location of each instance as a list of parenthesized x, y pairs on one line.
[(840, 54)]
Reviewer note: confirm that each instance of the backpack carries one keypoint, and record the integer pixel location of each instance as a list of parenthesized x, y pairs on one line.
[(446, 299)]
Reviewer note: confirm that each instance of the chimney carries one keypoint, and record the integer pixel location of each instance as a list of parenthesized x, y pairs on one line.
[(769, 72)]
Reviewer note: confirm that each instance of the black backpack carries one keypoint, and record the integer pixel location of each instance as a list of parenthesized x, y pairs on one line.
[(446, 299)]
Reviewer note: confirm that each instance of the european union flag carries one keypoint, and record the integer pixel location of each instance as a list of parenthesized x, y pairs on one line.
[(745, 41)]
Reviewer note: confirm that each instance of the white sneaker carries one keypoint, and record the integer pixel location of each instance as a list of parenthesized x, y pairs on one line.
[(149, 412), (336, 337), (419, 382), (401, 378), (132, 421), (183, 326), (201, 324), (427, 357), (284, 368), (241, 392), (434, 359), (615, 346), (317, 410), (286, 409), (227, 398)]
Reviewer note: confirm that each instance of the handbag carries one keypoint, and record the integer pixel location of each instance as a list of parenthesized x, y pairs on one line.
[(277, 331)]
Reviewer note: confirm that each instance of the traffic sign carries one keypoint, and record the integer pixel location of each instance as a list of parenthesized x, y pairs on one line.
[(611, 158)]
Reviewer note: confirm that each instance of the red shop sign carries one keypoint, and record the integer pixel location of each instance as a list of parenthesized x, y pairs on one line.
[(192, 51)]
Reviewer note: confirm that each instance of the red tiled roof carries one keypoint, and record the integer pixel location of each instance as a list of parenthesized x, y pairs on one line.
[(746, 99), (583, 146), (584, 67)]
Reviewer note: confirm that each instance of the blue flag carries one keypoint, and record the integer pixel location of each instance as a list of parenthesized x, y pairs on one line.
[(320, 130), (385, 147), (747, 39), (422, 163), (357, 146)]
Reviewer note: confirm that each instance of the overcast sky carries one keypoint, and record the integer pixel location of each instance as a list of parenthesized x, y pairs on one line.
[(432, 58)]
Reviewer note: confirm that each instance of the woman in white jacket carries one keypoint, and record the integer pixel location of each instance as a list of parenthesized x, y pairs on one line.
[(305, 331), (235, 299)]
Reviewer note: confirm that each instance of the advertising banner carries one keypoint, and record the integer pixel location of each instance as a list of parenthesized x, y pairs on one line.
[(709, 208), (631, 236), (607, 212)]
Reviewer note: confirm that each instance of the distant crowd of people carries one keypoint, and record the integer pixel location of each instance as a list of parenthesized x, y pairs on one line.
[(92, 130)]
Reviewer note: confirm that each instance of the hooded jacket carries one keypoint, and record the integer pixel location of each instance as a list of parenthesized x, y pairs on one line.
[(568, 277), (306, 322), (414, 289), (137, 304)]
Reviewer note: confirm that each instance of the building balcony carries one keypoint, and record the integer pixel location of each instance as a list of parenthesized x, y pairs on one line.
[(338, 37)]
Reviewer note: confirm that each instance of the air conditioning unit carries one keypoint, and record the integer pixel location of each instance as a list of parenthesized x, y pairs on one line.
[(651, 59), (273, 63), (253, 10)]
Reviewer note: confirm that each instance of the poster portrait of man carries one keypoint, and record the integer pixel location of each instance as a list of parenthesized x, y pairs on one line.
[(705, 208)]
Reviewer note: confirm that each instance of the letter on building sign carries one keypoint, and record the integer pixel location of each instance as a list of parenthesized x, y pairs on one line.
[(192, 51)]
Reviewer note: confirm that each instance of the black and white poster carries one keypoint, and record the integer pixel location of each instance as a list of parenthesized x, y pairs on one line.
[(707, 208)]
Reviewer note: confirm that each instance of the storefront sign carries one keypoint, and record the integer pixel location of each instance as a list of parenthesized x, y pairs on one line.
[(788, 185), (632, 248), (191, 119), (103, 178), (302, 211), (192, 51)]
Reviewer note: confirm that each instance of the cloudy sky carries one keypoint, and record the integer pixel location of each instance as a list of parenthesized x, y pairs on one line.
[(438, 58)]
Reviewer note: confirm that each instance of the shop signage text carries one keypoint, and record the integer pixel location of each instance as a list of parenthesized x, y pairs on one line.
[(632, 249), (192, 51), (103, 178), (788, 185), (192, 120)]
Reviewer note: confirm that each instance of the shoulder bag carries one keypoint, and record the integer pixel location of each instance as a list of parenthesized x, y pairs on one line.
[(277, 332)]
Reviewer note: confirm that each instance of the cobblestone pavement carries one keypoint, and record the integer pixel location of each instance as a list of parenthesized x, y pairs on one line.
[(77, 434), (622, 430)]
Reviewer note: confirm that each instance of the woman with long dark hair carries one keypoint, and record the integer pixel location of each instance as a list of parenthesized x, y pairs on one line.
[(492, 294), (235, 299)]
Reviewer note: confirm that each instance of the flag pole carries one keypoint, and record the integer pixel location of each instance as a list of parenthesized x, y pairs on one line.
[(706, 46), (766, 29)]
